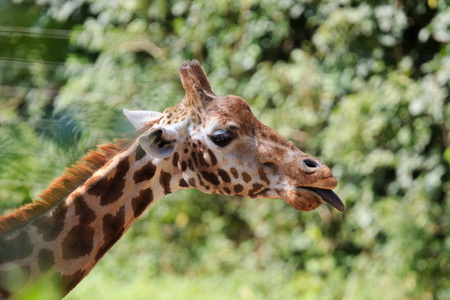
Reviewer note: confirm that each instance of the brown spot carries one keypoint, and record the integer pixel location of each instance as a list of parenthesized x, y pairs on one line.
[(16, 248), (183, 183), (210, 177), (164, 180), (202, 160), (111, 189), (238, 188), (194, 157), (46, 260), (51, 226), (186, 150), (213, 157), (263, 176), (113, 228), (246, 177), (78, 242), (192, 182), (141, 202), (145, 173), (234, 172), (224, 175), (253, 192), (176, 157), (183, 166), (191, 167), (200, 181), (86, 214), (140, 153), (227, 190)]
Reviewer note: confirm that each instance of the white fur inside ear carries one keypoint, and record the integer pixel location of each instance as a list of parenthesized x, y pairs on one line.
[(140, 117), (159, 142)]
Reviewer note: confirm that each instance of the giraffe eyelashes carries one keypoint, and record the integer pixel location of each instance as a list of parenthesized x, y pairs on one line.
[(222, 137)]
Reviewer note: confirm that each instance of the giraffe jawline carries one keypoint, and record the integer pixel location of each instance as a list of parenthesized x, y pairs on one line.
[(328, 196)]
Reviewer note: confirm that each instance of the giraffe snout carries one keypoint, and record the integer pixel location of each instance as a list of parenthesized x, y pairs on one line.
[(315, 173)]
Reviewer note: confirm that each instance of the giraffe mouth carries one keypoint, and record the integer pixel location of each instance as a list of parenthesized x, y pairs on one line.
[(329, 197)]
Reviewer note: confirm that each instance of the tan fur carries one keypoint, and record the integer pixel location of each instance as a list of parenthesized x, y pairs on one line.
[(215, 144)]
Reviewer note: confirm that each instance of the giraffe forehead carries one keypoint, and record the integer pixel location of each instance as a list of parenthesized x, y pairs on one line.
[(220, 113), (180, 115), (229, 105), (232, 107), (234, 110)]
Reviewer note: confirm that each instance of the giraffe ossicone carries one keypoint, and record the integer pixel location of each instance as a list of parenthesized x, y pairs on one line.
[(211, 143)]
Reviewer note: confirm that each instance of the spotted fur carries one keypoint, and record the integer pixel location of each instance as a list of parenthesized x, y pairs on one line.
[(85, 211)]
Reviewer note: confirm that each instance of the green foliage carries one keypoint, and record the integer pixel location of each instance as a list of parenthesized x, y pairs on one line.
[(363, 85)]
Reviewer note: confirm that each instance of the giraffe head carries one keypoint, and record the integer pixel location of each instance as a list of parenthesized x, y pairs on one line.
[(217, 145)]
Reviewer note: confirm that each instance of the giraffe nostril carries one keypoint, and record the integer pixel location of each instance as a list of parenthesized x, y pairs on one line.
[(309, 165)]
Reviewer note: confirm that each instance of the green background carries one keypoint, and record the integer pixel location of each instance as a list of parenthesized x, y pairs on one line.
[(362, 85)]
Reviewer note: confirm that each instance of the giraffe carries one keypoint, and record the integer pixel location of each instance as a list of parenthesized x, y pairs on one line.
[(214, 144)]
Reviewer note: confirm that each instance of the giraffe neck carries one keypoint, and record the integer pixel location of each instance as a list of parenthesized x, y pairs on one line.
[(71, 237)]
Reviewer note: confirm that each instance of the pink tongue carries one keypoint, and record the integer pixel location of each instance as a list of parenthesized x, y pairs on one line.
[(330, 197)]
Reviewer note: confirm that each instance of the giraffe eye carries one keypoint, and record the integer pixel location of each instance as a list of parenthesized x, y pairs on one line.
[(222, 137)]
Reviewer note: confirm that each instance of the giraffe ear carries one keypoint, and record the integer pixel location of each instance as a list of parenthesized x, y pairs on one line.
[(159, 142), (140, 117)]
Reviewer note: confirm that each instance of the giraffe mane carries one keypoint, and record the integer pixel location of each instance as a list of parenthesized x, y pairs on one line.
[(73, 176)]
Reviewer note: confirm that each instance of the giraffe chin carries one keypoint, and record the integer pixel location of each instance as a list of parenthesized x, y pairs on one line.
[(308, 198), (303, 200)]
